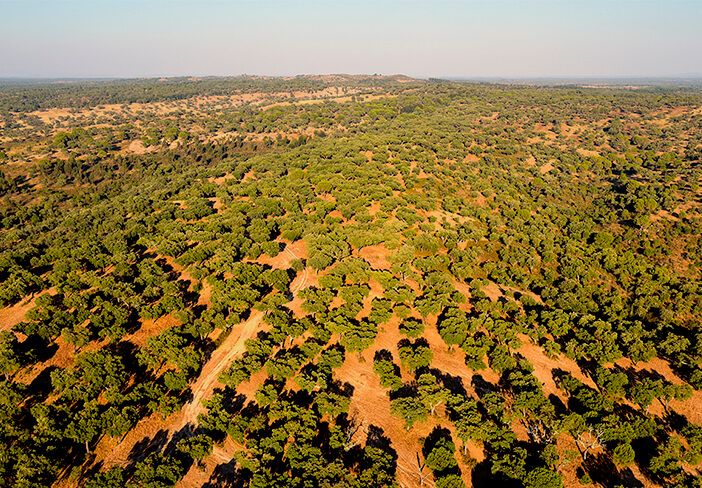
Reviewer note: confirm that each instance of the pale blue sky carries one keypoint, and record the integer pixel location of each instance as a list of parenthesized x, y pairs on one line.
[(470, 38)]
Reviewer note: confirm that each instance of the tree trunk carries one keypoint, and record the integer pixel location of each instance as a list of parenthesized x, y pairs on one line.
[(587, 449), (87, 449)]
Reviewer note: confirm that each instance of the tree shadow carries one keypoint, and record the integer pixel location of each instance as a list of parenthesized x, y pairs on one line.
[(341, 388), (588, 366), (481, 386), (171, 449), (300, 398), (558, 405), (441, 435), (383, 355), (558, 374), (163, 264), (187, 431), (133, 322), (190, 298), (277, 384), (324, 435), (127, 352), (636, 376), (148, 446), (198, 310), (245, 315), (41, 349), (406, 390), (232, 401), (184, 396), (92, 470), (454, 384), (675, 421), (433, 439), (41, 386), (206, 347), (629, 479), (227, 476), (376, 437), (483, 477), (602, 470), (645, 449)]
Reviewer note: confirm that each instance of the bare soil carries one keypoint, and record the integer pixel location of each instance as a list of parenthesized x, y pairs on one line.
[(157, 431), (13, 315)]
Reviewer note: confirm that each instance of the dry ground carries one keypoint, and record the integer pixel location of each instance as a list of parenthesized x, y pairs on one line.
[(370, 401)]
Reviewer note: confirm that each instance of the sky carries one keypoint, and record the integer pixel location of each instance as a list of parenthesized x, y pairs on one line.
[(420, 38)]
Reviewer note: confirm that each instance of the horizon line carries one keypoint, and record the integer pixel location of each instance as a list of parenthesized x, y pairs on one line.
[(384, 75)]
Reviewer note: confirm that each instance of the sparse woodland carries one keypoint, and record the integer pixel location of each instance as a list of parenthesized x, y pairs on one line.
[(349, 282)]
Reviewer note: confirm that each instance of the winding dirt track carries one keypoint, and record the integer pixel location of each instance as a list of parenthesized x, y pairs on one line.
[(184, 422), (222, 357)]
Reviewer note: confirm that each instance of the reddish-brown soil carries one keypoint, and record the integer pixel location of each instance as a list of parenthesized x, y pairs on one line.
[(13, 315), (112, 453), (370, 401), (377, 256)]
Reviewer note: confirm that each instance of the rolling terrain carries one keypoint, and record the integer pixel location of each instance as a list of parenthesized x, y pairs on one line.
[(349, 281)]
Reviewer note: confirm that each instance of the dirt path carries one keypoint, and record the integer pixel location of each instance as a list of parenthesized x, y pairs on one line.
[(232, 347), (295, 288), (13, 315), (222, 357)]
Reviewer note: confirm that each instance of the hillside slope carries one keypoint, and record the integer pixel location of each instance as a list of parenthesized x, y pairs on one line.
[(349, 281)]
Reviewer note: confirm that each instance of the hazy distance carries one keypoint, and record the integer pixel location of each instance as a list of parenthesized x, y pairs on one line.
[(459, 39)]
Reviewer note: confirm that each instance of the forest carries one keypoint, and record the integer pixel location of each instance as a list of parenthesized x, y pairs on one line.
[(349, 281)]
